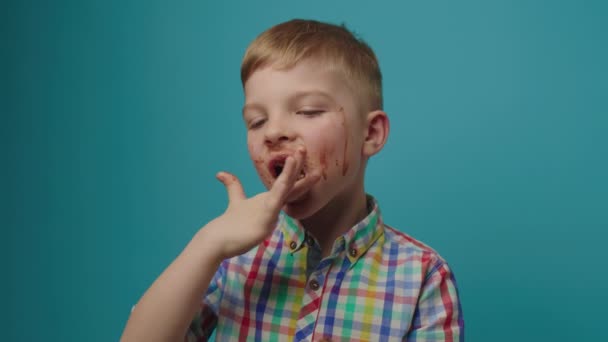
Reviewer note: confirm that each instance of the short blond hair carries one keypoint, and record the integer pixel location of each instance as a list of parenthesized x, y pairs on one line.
[(285, 44)]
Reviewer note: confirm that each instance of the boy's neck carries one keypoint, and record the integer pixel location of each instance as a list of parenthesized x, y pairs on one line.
[(335, 219)]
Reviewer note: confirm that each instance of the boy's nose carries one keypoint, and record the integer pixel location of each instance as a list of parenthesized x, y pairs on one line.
[(277, 132)]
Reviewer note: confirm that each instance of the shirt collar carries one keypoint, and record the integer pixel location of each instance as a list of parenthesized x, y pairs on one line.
[(355, 242)]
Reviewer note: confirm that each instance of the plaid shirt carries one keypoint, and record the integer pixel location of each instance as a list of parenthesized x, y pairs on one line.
[(378, 284)]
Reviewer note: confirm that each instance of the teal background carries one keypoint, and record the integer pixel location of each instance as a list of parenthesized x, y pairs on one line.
[(117, 114)]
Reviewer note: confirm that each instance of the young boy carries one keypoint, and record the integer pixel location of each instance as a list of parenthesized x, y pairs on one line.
[(328, 268)]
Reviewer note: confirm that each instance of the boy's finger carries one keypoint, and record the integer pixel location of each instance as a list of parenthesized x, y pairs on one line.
[(281, 187), (300, 187), (233, 186)]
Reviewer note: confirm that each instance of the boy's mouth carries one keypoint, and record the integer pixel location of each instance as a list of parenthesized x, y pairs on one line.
[(277, 164)]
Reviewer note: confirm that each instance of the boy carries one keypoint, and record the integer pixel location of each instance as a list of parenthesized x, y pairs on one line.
[(328, 268)]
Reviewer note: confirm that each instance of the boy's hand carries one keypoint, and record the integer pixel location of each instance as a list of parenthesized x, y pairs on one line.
[(248, 221)]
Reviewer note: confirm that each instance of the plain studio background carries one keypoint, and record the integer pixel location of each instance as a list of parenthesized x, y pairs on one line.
[(116, 115)]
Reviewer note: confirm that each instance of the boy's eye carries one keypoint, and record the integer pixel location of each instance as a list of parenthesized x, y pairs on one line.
[(310, 112), (256, 124)]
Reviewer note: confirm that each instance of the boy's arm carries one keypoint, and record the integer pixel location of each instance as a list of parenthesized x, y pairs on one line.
[(438, 315), (168, 306)]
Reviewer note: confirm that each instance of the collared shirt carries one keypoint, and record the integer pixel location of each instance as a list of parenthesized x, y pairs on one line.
[(378, 284)]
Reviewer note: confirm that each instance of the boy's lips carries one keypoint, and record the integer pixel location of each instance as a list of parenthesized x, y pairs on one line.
[(276, 165)]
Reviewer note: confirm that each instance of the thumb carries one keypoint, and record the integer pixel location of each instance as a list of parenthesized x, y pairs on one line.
[(233, 186)]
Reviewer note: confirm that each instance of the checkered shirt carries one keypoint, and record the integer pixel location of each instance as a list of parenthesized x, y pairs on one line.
[(378, 284)]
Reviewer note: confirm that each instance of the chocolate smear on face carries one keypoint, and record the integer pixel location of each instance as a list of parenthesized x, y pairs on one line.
[(260, 165), (323, 162), (345, 127)]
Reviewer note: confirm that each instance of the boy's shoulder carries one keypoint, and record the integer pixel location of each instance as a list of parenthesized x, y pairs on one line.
[(407, 248), (406, 240)]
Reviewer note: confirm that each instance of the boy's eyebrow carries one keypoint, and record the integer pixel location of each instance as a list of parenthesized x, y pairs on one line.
[(296, 96), (252, 106), (306, 93)]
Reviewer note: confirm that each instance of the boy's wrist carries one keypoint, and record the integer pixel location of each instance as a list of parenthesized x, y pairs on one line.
[(206, 246)]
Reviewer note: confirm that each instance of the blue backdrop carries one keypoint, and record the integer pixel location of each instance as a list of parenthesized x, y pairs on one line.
[(117, 114)]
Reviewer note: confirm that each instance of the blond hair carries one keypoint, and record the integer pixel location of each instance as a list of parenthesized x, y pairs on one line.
[(285, 44)]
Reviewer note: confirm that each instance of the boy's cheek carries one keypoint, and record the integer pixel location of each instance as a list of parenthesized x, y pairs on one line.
[(260, 167), (259, 163), (254, 150)]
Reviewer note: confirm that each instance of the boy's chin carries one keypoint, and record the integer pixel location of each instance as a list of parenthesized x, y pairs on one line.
[(300, 208)]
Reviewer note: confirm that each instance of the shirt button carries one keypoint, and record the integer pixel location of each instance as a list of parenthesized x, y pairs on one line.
[(353, 252), (314, 285), (310, 241), (293, 245)]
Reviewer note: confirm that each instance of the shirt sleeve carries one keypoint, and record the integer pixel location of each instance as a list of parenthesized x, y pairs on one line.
[(205, 320), (438, 315)]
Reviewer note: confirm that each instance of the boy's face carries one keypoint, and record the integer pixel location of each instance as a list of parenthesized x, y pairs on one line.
[(312, 107)]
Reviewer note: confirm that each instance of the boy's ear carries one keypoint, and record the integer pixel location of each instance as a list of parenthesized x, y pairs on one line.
[(377, 127)]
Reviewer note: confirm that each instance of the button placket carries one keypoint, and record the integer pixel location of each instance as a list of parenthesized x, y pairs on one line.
[(310, 241)]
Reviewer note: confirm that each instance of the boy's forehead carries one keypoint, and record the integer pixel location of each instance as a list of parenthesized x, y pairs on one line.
[(306, 78)]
